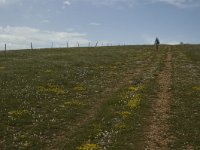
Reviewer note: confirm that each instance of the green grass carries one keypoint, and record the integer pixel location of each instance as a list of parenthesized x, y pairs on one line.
[(119, 125), (43, 92), (96, 98), (192, 52), (185, 109)]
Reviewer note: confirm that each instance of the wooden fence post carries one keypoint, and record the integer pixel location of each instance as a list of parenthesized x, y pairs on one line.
[(31, 46), (5, 48), (96, 44), (52, 45), (67, 45)]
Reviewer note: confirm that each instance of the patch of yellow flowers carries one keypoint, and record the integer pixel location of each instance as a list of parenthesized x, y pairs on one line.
[(17, 114), (129, 99), (79, 88), (197, 88), (124, 114), (52, 88), (89, 147), (133, 88), (134, 102), (120, 126)]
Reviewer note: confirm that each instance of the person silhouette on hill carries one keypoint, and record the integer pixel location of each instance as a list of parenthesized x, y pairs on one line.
[(157, 42)]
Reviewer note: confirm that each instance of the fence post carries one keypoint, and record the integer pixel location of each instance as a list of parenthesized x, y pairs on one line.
[(96, 44), (52, 45), (78, 44), (5, 48), (67, 45), (31, 46)]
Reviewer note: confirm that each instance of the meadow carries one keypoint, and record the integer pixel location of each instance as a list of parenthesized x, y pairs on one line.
[(96, 98)]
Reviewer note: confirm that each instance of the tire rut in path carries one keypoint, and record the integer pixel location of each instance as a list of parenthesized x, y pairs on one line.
[(157, 133)]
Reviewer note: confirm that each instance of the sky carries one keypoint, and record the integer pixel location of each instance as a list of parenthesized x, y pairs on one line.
[(44, 22)]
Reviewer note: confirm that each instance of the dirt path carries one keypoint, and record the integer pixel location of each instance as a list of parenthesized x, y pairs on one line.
[(157, 136)]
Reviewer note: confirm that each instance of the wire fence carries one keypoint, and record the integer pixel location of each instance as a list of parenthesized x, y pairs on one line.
[(7, 47)]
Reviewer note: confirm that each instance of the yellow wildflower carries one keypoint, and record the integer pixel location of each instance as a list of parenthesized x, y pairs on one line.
[(56, 89), (133, 88), (136, 88), (134, 102), (125, 114), (79, 88), (17, 114), (73, 104), (197, 88), (120, 126), (52, 88)]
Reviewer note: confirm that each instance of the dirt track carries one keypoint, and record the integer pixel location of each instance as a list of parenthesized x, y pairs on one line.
[(157, 135)]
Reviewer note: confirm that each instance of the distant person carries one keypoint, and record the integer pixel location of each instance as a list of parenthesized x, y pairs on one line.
[(157, 42)]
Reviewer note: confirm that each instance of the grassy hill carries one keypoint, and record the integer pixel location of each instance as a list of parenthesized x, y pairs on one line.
[(98, 98)]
